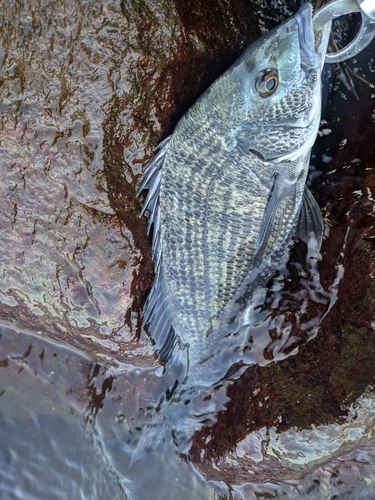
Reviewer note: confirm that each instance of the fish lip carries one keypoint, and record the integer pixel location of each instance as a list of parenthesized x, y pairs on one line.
[(313, 45)]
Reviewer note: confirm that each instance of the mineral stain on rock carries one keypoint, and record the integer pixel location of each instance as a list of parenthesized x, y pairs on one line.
[(83, 105)]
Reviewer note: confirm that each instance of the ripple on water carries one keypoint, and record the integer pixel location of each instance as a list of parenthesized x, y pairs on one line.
[(70, 426)]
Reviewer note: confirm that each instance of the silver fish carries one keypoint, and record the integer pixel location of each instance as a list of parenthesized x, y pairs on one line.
[(227, 189)]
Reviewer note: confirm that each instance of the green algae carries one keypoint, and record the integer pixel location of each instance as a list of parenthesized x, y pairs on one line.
[(356, 349)]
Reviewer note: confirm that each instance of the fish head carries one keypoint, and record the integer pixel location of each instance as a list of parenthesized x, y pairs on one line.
[(270, 99)]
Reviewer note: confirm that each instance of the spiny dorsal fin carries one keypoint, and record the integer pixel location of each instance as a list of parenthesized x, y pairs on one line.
[(156, 316), (151, 180)]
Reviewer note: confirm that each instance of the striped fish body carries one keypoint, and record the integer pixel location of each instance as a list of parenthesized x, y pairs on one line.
[(211, 216), (227, 189)]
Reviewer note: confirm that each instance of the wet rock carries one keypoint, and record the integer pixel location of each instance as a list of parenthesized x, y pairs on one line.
[(87, 90)]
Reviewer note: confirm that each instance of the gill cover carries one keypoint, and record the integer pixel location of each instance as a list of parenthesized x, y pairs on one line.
[(273, 92)]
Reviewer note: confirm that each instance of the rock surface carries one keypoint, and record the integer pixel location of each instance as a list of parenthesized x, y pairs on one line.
[(87, 90)]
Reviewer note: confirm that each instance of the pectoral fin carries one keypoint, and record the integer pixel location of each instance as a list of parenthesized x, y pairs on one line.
[(310, 219), (275, 216)]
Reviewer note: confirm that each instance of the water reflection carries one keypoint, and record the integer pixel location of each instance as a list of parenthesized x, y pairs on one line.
[(69, 426), (48, 450)]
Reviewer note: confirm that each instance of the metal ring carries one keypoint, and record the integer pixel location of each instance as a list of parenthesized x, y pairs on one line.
[(338, 8), (368, 7)]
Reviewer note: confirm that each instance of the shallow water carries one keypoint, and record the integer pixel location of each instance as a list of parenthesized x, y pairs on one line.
[(47, 448), (69, 428)]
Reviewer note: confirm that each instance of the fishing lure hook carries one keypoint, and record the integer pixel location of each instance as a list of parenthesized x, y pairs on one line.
[(338, 8)]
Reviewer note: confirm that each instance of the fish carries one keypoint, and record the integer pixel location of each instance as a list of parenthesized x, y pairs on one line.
[(227, 192)]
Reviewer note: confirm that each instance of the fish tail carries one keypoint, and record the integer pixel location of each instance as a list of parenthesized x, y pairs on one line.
[(175, 423), (151, 438)]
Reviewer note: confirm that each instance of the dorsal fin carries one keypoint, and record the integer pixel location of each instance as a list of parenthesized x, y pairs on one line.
[(151, 180), (156, 312)]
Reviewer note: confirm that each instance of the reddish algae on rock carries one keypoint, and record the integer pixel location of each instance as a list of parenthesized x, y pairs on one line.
[(87, 90)]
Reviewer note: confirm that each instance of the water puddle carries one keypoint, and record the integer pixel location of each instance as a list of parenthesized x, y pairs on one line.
[(82, 421)]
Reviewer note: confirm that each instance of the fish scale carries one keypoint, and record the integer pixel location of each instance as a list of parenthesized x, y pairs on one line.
[(226, 192), (211, 243)]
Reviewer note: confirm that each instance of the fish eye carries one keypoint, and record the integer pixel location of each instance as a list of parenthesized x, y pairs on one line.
[(267, 82)]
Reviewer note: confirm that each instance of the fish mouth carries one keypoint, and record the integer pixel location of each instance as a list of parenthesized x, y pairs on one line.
[(313, 48), (313, 45), (309, 63)]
